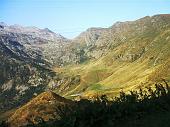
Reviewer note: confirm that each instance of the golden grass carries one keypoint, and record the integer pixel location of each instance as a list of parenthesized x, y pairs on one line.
[(114, 75)]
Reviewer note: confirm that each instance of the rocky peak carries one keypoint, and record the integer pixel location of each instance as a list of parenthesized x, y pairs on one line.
[(33, 33), (90, 36), (2, 25), (47, 30)]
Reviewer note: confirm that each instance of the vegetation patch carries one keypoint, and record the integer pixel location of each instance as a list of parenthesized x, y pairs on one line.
[(142, 108), (95, 87)]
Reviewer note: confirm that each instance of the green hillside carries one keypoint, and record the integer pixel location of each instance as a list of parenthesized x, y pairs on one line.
[(136, 55)]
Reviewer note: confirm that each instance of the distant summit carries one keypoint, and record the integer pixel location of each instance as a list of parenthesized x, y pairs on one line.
[(33, 31)]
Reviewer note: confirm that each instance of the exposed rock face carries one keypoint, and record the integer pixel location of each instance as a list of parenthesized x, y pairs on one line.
[(32, 33), (91, 44), (23, 72), (37, 42), (99, 41)]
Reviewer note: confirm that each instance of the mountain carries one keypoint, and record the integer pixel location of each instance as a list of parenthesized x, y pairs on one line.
[(127, 55), (44, 35), (24, 71), (26, 59), (100, 61), (34, 39)]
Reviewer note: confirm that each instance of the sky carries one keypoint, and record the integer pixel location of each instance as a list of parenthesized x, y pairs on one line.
[(70, 17)]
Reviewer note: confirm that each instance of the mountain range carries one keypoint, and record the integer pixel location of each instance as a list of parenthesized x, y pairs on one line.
[(100, 61)]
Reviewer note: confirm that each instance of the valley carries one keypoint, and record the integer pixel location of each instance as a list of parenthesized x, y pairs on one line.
[(131, 60), (126, 56)]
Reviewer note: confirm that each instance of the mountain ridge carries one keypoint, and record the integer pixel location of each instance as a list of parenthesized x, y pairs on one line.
[(142, 44), (127, 55)]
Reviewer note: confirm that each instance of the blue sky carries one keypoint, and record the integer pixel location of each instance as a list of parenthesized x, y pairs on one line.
[(71, 17)]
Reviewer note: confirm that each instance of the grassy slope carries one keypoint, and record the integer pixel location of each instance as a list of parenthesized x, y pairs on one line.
[(47, 106), (109, 76)]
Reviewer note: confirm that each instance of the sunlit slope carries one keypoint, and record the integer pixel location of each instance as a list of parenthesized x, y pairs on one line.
[(45, 107), (142, 58)]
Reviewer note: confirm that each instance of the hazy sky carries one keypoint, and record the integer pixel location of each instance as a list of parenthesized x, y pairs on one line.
[(70, 17)]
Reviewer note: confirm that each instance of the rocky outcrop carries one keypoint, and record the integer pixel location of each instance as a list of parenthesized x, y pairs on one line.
[(23, 72), (31, 34)]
